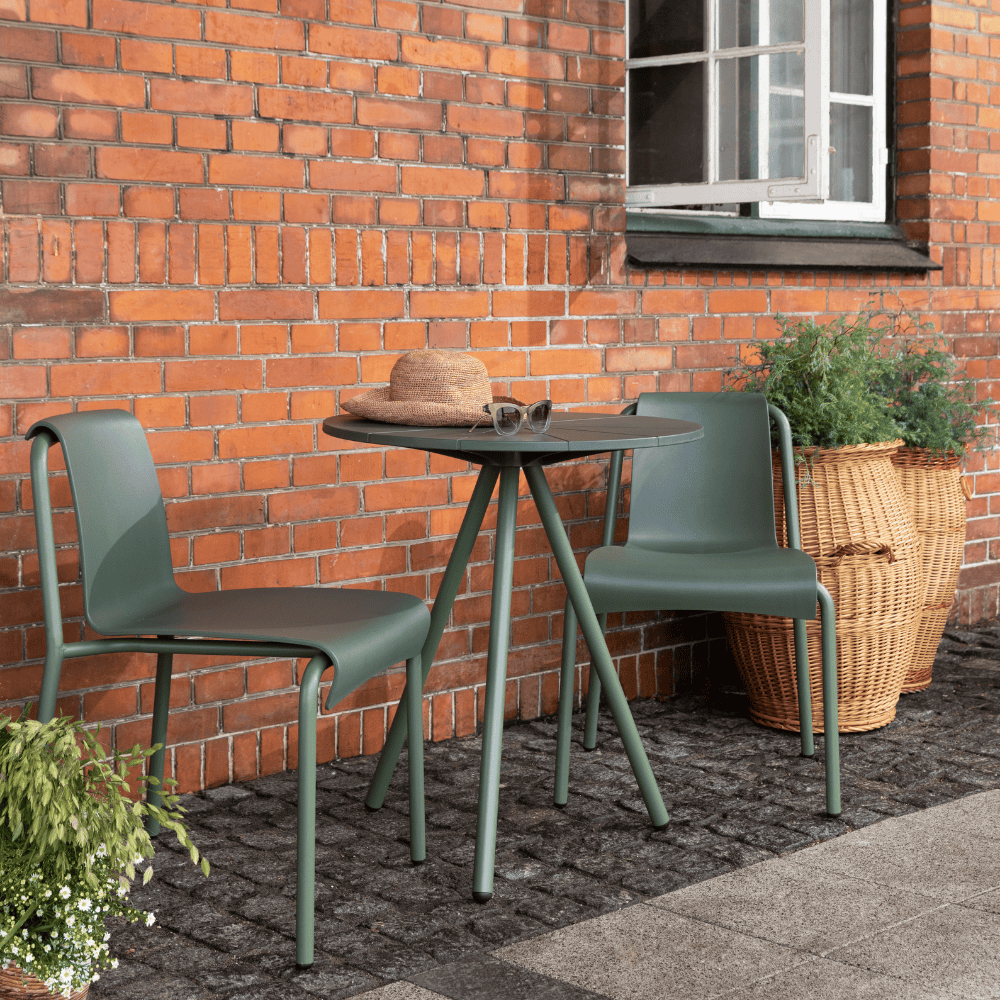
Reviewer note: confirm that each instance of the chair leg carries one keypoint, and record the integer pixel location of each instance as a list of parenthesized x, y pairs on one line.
[(305, 890), (415, 739), (50, 682), (161, 708), (831, 734), (805, 694), (593, 698), (565, 729)]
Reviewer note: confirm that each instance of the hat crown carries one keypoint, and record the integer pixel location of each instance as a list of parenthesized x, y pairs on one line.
[(439, 377)]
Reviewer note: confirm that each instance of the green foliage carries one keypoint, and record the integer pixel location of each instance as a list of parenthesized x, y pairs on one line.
[(935, 406), (69, 831), (823, 377), (878, 377)]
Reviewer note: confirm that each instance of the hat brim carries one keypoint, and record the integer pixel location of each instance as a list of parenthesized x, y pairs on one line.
[(376, 405)]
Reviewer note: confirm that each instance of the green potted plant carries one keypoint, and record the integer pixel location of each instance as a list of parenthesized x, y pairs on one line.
[(939, 419), (854, 523), (70, 838)]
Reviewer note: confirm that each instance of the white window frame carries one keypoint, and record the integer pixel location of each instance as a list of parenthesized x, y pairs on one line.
[(814, 185), (853, 211)]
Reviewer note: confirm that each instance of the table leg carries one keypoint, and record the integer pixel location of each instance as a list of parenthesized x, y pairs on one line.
[(496, 685), (450, 582), (599, 655)]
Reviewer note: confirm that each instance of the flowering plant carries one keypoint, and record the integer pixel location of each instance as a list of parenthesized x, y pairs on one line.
[(70, 838)]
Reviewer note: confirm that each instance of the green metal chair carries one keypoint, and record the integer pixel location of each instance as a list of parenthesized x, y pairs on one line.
[(129, 592), (701, 537)]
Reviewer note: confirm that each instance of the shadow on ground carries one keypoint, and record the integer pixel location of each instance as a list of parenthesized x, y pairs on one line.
[(737, 794)]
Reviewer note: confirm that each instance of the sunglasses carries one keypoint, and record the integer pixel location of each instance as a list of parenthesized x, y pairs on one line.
[(508, 417)]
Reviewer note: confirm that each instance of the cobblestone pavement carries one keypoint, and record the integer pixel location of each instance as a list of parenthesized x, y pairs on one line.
[(737, 794)]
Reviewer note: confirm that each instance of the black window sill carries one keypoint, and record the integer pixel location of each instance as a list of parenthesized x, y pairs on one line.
[(713, 241)]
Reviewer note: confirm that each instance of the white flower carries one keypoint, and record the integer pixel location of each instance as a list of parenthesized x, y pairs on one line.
[(70, 920), (150, 919), (64, 892), (84, 904)]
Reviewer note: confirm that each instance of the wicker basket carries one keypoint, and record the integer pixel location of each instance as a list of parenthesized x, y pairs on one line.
[(18, 985), (935, 492), (854, 522)]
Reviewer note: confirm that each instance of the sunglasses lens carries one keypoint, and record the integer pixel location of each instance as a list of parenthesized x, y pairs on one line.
[(507, 419), (539, 415)]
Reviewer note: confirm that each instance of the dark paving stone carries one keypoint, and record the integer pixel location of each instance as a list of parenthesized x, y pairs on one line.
[(737, 794)]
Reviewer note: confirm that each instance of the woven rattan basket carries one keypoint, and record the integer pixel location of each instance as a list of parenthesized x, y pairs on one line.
[(935, 493), (855, 523), (17, 985)]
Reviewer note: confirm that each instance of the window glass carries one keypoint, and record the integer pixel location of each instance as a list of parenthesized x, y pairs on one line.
[(667, 125), (740, 22), (665, 27), (851, 159), (851, 47)]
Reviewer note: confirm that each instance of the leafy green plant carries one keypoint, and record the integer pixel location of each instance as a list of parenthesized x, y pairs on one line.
[(933, 404), (70, 838), (824, 377)]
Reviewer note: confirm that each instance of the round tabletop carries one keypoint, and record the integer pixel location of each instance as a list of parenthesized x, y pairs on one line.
[(570, 435)]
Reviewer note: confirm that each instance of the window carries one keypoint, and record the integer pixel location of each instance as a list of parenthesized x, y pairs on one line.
[(775, 103)]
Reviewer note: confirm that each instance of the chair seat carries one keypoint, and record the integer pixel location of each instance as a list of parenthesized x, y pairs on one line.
[(763, 581), (362, 631)]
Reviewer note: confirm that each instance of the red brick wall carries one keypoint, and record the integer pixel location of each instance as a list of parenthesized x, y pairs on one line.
[(229, 217)]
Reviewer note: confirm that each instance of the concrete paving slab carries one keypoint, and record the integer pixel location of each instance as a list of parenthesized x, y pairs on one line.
[(485, 978), (399, 991), (951, 949), (792, 904), (988, 901), (631, 954), (825, 980), (941, 861)]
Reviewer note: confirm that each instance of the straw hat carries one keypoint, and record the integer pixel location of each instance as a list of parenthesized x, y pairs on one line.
[(430, 389)]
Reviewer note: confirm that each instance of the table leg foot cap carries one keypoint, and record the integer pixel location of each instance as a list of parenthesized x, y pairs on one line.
[(559, 805), (372, 809), (662, 826), (482, 897), (590, 749), (808, 756), (417, 861)]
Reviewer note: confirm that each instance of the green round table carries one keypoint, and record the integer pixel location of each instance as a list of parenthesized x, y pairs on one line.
[(569, 436)]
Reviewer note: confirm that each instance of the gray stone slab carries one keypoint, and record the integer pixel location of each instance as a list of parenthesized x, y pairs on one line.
[(484, 978), (631, 954), (954, 950), (825, 980), (399, 991), (792, 904), (943, 864)]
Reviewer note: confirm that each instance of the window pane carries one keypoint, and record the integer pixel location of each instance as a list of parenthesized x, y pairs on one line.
[(667, 125), (851, 160), (851, 46), (741, 131), (665, 27), (740, 22)]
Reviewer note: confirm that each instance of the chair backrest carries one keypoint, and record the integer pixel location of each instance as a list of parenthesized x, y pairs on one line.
[(124, 543), (714, 494)]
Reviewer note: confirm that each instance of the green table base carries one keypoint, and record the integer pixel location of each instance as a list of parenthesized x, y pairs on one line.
[(571, 436)]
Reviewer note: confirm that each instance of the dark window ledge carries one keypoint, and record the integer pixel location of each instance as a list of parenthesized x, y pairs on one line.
[(684, 241)]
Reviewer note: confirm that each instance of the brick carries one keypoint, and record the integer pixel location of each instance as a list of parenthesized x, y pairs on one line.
[(51, 305), (159, 305), (30, 197), (361, 177), (255, 171), (296, 106), (265, 304), (187, 97), (83, 87), (105, 379), (29, 120), (146, 19), (354, 43)]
